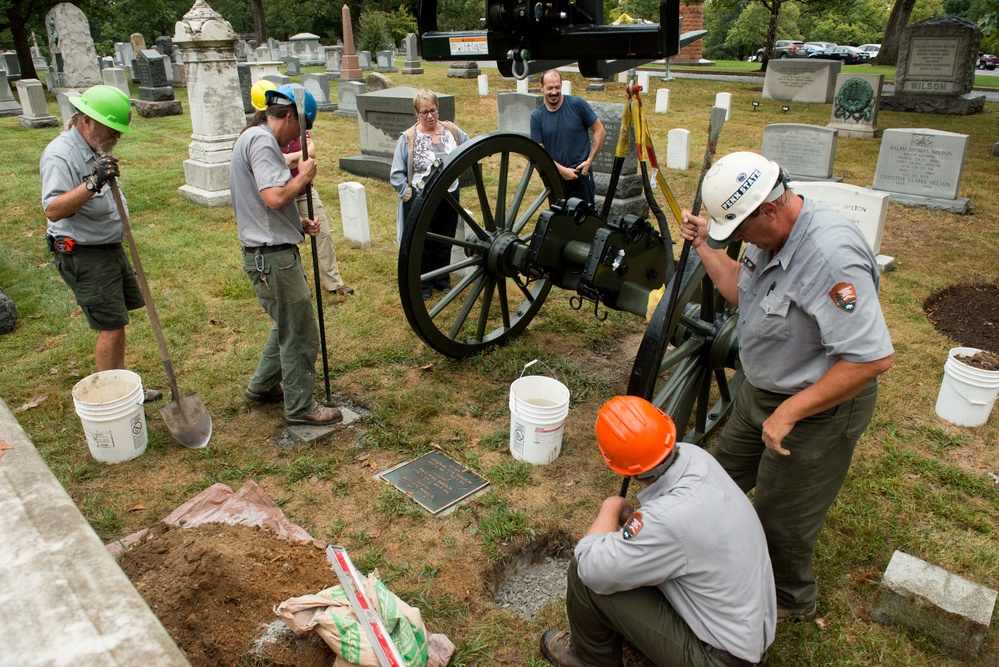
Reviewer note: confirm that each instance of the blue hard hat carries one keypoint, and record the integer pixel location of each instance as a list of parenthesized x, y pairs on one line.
[(286, 95)]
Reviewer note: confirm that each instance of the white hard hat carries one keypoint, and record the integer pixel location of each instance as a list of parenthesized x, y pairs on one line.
[(733, 188)]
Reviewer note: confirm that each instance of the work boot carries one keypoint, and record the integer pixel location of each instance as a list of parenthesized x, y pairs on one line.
[(275, 395), (796, 615), (556, 646), (342, 290), (320, 416), (150, 395)]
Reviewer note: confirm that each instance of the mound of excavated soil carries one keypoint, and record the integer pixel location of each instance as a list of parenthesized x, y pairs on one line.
[(214, 588), (968, 314)]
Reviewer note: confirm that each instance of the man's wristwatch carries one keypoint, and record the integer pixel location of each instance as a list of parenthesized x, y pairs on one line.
[(91, 184)]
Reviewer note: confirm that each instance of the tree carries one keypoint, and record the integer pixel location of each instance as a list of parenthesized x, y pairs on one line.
[(259, 23), (897, 22)]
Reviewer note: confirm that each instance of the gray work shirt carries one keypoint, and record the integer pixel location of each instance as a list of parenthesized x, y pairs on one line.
[(813, 303), (65, 162), (257, 164), (696, 538)]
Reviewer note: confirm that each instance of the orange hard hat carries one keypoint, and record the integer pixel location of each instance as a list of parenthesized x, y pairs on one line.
[(634, 435)]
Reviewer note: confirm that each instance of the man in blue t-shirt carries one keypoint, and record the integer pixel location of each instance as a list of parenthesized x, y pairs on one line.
[(563, 127)]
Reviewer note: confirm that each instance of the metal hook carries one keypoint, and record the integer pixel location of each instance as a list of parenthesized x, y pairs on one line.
[(596, 311), (519, 76), (576, 302)]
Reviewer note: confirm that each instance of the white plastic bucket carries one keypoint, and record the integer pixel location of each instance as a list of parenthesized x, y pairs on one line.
[(109, 404), (538, 408), (967, 394)]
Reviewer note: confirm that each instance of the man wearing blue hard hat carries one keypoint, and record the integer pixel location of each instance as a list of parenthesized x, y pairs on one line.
[(270, 229), (84, 228)]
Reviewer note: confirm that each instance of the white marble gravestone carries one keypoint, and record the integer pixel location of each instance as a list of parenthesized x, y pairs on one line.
[(867, 208), (116, 77), (208, 45), (72, 47), (354, 213), (66, 110), (319, 86), (922, 168), (678, 149), (523, 86), (662, 100), (514, 111), (34, 108), (724, 100), (483, 81), (804, 80), (806, 152), (8, 105)]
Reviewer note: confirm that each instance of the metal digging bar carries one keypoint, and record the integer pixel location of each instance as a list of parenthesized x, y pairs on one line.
[(300, 109)]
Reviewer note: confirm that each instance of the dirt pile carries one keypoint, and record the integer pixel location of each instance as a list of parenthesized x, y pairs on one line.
[(214, 588)]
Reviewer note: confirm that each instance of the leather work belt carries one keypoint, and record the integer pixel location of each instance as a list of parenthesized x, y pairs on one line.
[(729, 660), (67, 246), (267, 249)]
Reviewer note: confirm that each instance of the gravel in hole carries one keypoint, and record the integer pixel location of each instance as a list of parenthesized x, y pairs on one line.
[(529, 586)]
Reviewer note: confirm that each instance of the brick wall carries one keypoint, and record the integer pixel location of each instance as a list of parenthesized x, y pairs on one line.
[(693, 19)]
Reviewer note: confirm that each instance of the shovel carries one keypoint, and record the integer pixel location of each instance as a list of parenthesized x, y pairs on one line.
[(185, 416)]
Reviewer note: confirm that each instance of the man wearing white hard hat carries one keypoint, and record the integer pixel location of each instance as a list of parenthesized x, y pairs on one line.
[(813, 341)]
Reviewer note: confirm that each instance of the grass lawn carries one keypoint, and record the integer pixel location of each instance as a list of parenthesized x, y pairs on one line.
[(917, 483)]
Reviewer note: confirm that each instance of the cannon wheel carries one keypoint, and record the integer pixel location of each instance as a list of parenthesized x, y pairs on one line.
[(513, 181), (688, 362)]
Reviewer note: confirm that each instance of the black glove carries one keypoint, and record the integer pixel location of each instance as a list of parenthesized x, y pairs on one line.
[(105, 168)]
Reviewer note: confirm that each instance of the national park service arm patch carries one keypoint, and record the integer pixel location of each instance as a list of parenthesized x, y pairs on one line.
[(844, 295), (632, 526)]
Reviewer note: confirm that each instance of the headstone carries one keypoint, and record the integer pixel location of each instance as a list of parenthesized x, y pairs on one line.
[(855, 105), (386, 61), (274, 46), (364, 60), (350, 69), (513, 111), (865, 207), (483, 84), (245, 85), (523, 86), (347, 93), (595, 87), (294, 66), (806, 152), (117, 77), (354, 213), (643, 81), (622, 77), (464, 69), (953, 612), (306, 47), (164, 45), (662, 100), (334, 55), (8, 105), (137, 41), (922, 168), (412, 65), (72, 47), (804, 80), (179, 70), (35, 110), (935, 72), (382, 117), (628, 197), (724, 100), (153, 86), (10, 63), (277, 79), (242, 46), (260, 69), (207, 44), (377, 81), (262, 54), (66, 110), (566, 87), (319, 86), (124, 54), (106, 61), (678, 149)]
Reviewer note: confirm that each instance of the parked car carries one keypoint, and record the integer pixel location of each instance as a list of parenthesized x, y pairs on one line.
[(786, 48), (848, 55), (987, 61), (873, 49), (812, 47)]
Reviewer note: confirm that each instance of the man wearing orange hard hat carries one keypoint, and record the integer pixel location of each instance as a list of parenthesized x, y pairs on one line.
[(686, 578)]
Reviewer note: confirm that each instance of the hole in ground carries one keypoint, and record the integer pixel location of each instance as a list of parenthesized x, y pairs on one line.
[(533, 574)]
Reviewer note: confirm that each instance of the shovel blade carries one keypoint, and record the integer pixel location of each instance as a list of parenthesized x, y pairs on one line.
[(188, 421)]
